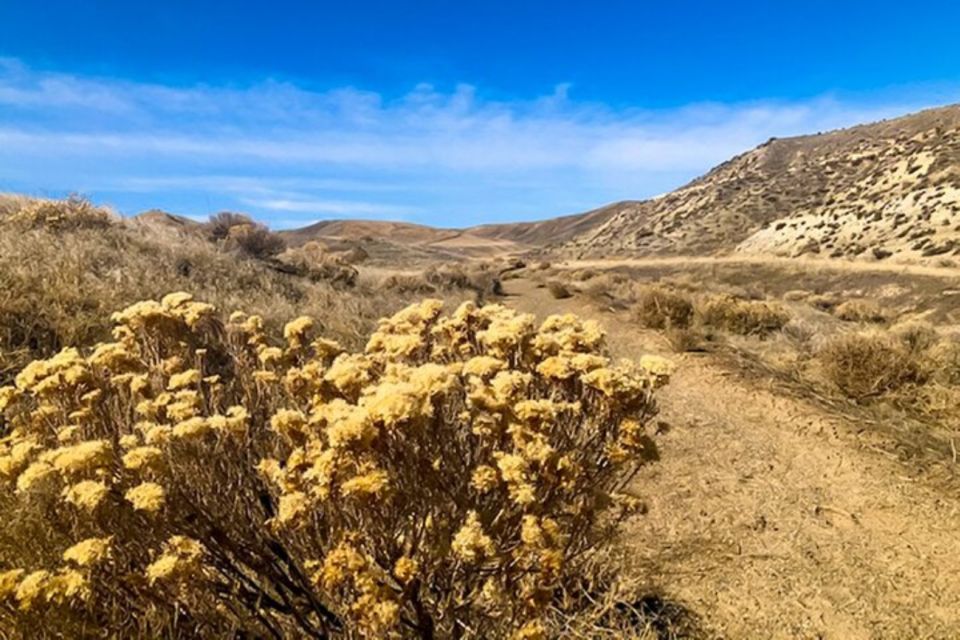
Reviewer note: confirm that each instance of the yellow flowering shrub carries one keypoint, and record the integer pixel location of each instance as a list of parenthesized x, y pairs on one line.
[(202, 477)]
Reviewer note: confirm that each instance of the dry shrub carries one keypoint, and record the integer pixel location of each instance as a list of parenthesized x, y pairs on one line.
[(796, 295), (11, 203), (60, 215), (354, 255), (558, 290), (480, 281), (59, 288), (823, 301), (946, 361), (219, 225), (314, 262), (684, 339), (481, 278), (742, 317), (254, 240), (860, 311), (238, 232), (918, 337), (582, 275), (864, 366), (609, 289), (800, 334), (336, 273), (201, 478), (661, 308), (407, 283)]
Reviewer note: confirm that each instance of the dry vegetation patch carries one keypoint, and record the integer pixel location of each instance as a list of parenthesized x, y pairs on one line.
[(60, 281), (460, 476), (742, 317), (864, 366), (860, 311), (558, 290), (658, 307)]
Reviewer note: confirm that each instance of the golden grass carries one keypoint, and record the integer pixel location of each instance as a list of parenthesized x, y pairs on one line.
[(59, 283)]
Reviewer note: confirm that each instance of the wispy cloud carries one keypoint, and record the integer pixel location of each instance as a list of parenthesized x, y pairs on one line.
[(435, 156), (345, 208)]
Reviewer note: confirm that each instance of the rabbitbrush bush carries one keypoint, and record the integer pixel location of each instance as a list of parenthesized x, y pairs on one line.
[(198, 478)]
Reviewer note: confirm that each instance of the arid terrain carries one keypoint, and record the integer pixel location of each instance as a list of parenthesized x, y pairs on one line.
[(804, 293), (775, 513)]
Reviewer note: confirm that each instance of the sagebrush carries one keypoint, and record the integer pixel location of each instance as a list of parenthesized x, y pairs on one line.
[(201, 477)]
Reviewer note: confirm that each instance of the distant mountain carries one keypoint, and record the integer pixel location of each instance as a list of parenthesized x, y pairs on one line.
[(481, 241), (165, 219)]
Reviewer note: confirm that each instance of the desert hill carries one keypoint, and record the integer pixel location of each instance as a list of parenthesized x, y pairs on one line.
[(887, 190), (876, 191), (872, 191), (387, 241), (378, 237)]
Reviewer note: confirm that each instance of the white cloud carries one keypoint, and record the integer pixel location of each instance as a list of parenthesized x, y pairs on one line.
[(344, 208), (279, 147)]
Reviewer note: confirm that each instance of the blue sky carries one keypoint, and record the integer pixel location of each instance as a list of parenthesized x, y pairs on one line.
[(446, 113)]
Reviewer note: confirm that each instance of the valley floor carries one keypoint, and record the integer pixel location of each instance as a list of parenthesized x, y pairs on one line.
[(770, 517)]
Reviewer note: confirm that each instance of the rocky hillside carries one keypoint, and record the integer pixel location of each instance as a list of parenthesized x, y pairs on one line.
[(877, 191)]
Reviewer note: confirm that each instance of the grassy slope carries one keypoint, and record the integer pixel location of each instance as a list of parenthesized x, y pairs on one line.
[(58, 288)]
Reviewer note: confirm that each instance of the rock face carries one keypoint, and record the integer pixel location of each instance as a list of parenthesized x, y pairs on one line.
[(889, 190)]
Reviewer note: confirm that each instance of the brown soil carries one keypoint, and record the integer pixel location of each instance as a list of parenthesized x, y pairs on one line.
[(770, 517)]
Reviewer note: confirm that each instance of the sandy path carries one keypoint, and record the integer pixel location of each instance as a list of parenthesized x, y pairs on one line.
[(771, 519)]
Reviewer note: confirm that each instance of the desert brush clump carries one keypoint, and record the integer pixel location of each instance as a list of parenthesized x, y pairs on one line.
[(240, 233), (860, 311), (319, 265), (481, 280), (559, 290), (742, 317), (480, 277), (659, 307), (202, 477), (867, 365), (72, 213)]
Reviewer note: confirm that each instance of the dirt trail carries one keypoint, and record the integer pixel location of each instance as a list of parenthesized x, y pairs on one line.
[(802, 263), (771, 519)]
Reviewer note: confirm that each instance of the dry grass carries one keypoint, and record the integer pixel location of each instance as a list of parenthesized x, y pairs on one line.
[(59, 284), (71, 214), (753, 445)]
